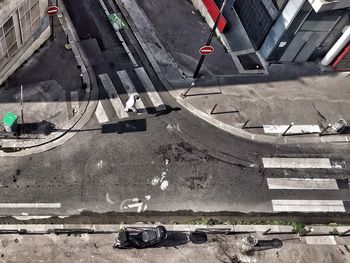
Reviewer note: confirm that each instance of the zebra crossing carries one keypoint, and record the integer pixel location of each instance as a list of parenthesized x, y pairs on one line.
[(127, 86), (306, 184)]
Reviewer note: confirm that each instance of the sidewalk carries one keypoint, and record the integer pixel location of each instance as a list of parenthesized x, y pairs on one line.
[(289, 93), (54, 99), (214, 244)]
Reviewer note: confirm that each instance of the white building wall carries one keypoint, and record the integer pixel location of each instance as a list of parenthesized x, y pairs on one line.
[(26, 47), (323, 5)]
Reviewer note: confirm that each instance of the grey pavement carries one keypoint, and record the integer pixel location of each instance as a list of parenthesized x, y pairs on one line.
[(302, 94), (54, 99), (180, 246)]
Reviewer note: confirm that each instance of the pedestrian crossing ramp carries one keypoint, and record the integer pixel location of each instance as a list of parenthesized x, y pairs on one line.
[(307, 186), (119, 86)]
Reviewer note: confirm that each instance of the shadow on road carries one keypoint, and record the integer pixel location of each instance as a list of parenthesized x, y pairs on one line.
[(137, 125)]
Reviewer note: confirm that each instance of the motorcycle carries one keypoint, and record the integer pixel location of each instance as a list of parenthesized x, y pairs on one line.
[(140, 237)]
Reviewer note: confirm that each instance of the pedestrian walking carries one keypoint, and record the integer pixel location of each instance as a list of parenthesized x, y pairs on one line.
[(130, 104)]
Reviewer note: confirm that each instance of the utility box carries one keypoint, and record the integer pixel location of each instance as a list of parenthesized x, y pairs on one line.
[(10, 122)]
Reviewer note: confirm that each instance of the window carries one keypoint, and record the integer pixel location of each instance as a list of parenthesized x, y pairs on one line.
[(29, 16), (8, 42)]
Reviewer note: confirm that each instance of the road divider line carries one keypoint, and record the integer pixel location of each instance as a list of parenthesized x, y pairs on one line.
[(113, 96), (30, 205), (130, 89), (295, 129), (121, 39), (101, 113), (308, 206), (300, 163), (151, 90), (302, 183)]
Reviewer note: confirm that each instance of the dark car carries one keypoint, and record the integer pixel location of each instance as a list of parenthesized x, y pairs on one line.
[(139, 237)]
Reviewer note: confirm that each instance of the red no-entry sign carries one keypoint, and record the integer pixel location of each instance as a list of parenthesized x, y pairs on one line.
[(52, 10), (206, 50)]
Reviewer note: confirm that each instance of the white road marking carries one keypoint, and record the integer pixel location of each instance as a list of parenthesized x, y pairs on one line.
[(173, 128), (101, 113), (308, 206), (164, 185), (113, 96), (100, 164), (155, 181), (74, 100), (137, 205), (127, 49), (109, 200), (149, 87), (294, 129), (299, 163), (320, 240), (30, 205), (120, 37), (301, 183), (130, 89)]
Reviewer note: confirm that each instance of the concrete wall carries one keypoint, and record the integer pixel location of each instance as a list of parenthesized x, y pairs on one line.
[(323, 5), (9, 8), (281, 25)]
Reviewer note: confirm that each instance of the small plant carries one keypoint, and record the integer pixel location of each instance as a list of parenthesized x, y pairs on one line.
[(299, 228), (205, 221)]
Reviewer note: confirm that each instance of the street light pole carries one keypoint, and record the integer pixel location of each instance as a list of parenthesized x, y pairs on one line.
[(201, 60), (22, 126)]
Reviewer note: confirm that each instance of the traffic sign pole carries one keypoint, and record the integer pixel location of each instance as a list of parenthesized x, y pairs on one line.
[(52, 11), (201, 60), (52, 29)]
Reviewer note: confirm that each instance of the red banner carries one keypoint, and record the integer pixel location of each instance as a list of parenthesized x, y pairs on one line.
[(340, 57), (214, 12)]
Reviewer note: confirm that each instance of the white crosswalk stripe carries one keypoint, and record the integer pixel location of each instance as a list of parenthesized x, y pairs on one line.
[(308, 206), (130, 89), (113, 96), (149, 87), (302, 183), (298, 163), (101, 113), (283, 183)]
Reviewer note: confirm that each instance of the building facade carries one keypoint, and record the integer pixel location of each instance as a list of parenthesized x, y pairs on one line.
[(293, 30), (24, 27)]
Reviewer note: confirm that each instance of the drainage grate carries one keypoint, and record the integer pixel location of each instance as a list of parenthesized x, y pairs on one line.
[(250, 61)]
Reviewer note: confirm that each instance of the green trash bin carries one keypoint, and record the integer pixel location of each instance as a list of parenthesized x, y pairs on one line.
[(10, 122)]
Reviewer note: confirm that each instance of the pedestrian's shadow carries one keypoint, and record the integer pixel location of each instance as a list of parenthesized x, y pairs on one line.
[(168, 109), (135, 125)]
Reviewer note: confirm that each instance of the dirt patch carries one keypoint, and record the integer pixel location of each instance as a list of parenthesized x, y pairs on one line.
[(182, 152)]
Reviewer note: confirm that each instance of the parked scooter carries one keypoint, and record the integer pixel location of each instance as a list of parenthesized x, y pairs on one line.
[(139, 237)]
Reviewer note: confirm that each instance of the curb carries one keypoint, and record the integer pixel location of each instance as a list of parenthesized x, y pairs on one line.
[(175, 93), (338, 235), (88, 106)]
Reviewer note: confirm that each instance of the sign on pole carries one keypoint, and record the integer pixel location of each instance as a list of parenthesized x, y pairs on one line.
[(52, 10), (117, 21), (206, 50)]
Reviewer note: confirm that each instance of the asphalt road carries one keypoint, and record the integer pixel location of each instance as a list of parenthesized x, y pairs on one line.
[(168, 162)]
